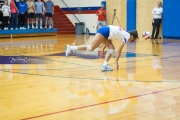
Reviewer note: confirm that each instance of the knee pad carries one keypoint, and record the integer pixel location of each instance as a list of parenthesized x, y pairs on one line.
[(88, 48), (111, 51)]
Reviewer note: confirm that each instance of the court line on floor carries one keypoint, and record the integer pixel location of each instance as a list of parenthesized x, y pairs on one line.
[(67, 77), (83, 66), (92, 105)]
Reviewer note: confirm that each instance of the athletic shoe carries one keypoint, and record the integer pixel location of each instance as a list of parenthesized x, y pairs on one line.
[(68, 50), (33, 27), (106, 68), (41, 27), (11, 28), (16, 28)]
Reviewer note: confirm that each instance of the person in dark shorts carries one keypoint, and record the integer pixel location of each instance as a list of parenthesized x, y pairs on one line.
[(39, 12), (49, 5), (30, 13)]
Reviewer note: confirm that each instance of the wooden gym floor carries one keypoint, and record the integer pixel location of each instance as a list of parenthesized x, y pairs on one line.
[(146, 87)]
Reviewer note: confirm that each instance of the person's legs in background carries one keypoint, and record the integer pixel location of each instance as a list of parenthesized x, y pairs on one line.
[(37, 18), (20, 21), (98, 24), (23, 21), (13, 20), (158, 22), (5, 19), (153, 30)]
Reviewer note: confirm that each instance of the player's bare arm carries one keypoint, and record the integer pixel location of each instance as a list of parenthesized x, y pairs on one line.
[(118, 54)]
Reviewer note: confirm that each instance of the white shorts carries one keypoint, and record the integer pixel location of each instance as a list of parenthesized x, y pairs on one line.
[(101, 23)]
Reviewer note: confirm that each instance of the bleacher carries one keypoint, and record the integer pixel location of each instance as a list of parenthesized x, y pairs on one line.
[(24, 32), (27, 32)]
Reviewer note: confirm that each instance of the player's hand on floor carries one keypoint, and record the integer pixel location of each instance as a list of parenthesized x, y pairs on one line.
[(102, 52)]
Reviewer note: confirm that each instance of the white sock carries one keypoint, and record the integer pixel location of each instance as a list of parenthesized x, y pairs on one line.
[(105, 63), (74, 48)]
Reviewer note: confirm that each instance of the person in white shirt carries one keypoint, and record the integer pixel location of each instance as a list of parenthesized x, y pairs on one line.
[(157, 16), (104, 35), (6, 14)]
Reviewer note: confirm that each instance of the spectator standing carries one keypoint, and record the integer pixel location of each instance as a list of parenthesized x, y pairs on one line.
[(101, 13), (6, 14), (49, 5), (14, 11), (22, 6), (30, 13), (40, 10), (157, 12)]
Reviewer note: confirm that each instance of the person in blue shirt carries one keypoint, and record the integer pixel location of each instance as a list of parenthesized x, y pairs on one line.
[(40, 10), (49, 13), (22, 6)]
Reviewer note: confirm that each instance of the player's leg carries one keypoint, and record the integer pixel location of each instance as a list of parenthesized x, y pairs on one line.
[(98, 39), (102, 23), (108, 55), (101, 35)]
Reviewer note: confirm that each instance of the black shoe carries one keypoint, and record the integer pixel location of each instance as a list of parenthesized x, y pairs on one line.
[(152, 37)]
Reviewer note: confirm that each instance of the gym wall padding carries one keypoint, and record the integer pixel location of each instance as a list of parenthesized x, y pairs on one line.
[(131, 15), (171, 19)]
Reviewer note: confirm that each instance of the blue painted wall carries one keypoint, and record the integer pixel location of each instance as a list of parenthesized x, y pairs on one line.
[(171, 19), (131, 15)]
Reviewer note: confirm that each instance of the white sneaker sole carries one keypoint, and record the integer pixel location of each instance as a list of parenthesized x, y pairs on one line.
[(68, 50), (106, 69)]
